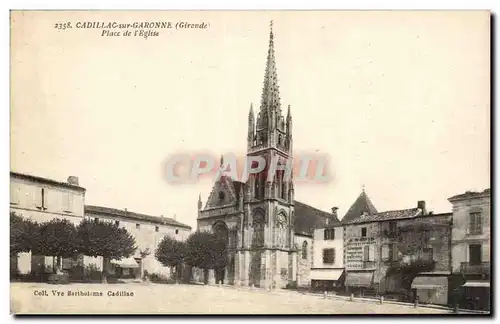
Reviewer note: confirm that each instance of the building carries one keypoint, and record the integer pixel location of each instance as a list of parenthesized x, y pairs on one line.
[(471, 244), (395, 252), (41, 200), (147, 230), (328, 258), (266, 228)]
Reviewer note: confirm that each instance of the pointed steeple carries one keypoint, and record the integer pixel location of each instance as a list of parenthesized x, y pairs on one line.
[(362, 205), (270, 92), (200, 203), (251, 127)]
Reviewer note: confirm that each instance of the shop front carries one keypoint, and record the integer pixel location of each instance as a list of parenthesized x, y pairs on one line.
[(126, 268), (431, 289)]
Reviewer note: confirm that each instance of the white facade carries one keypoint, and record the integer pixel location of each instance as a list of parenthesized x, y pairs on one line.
[(42, 200), (147, 234), (325, 245), (464, 238)]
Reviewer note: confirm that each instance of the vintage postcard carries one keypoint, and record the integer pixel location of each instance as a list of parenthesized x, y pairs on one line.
[(250, 162)]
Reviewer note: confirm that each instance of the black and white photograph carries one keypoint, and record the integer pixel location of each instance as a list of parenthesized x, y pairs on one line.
[(250, 162)]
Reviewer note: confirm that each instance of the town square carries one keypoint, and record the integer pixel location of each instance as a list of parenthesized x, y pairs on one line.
[(387, 210), (193, 299)]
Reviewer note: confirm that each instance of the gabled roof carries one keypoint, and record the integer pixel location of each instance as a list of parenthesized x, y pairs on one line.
[(231, 191), (308, 218), (134, 216), (362, 205), (471, 194), (387, 215)]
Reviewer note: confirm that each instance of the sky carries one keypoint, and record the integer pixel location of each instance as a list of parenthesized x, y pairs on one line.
[(399, 101)]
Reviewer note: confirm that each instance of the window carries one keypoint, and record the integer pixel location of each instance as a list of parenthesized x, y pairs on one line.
[(117, 223), (43, 199), (258, 230), (475, 223), (259, 185), (329, 234), (392, 227), (366, 253), (304, 250), (14, 195), (176, 231), (475, 254), (67, 201), (363, 232), (40, 198), (329, 256), (137, 226), (427, 254), (157, 228), (385, 252), (394, 252)]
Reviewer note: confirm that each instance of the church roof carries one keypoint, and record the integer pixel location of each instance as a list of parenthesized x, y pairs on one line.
[(307, 218), (362, 205)]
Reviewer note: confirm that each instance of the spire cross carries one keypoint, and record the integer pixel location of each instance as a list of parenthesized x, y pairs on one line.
[(271, 25), (363, 187)]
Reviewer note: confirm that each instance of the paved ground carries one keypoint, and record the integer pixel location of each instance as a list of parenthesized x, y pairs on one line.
[(185, 299)]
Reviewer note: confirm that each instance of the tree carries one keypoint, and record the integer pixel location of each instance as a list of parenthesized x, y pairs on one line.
[(171, 253), (206, 251), (57, 238), (97, 238), (23, 234)]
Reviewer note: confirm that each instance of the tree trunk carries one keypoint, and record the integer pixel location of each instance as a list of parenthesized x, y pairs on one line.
[(59, 264), (205, 276), (104, 270), (54, 264)]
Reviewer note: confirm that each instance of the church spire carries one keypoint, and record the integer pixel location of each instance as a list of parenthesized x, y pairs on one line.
[(251, 127), (270, 92)]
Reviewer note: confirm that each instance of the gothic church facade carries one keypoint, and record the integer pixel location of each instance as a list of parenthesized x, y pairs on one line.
[(269, 244)]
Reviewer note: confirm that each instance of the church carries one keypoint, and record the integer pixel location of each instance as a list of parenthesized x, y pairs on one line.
[(269, 233)]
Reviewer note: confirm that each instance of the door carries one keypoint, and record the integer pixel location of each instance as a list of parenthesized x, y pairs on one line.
[(255, 269)]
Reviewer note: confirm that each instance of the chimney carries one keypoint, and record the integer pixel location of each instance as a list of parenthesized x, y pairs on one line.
[(175, 217), (334, 211), (162, 219), (421, 205), (125, 209), (73, 180)]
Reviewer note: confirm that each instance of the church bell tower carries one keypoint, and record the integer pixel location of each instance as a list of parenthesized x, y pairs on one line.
[(268, 239)]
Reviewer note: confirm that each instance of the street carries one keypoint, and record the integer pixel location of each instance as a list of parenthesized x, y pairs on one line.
[(149, 298)]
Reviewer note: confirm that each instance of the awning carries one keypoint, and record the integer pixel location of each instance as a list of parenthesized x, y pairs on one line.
[(326, 274), (126, 263), (476, 284), (359, 279), (424, 282)]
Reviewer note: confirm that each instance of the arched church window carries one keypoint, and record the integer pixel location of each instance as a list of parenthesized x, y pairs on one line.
[(283, 185), (221, 230), (304, 250), (258, 230)]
